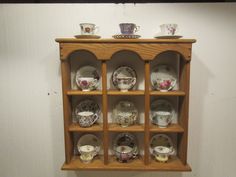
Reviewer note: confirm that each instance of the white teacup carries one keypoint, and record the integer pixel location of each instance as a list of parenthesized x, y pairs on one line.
[(88, 28), (87, 118), (162, 153), (87, 83), (162, 118), (125, 83), (168, 29), (87, 153)]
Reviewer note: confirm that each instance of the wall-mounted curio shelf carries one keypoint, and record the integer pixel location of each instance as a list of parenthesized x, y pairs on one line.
[(99, 134)]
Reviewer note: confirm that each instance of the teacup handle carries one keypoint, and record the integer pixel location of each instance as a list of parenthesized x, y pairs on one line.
[(170, 119), (133, 80), (95, 118), (136, 29), (96, 30), (172, 85), (172, 151)]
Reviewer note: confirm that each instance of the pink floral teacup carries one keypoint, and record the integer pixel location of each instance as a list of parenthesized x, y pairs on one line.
[(168, 29), (165, 85), (87, 83)]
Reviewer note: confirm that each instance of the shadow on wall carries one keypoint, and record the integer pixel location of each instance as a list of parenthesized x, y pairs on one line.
[(200, 77)]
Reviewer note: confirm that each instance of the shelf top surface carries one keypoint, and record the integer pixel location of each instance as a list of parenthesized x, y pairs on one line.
[(104, 40)]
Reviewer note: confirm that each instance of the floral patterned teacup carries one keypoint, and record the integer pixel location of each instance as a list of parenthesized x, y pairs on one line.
[(87, 83), (125, 119), (87, 153), (124, 153), (165, 85), (87, 118), (88, 28), (124, 83), (162, 153), (162, 118), (128, 28), (168, 29)]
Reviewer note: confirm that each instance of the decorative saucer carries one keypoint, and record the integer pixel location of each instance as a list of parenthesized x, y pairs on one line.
[(89, 139), (163, 72), (161, 36), (87, 36), (126, 36)]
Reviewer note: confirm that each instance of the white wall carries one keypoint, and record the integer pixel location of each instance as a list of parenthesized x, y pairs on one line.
[(31, 122)]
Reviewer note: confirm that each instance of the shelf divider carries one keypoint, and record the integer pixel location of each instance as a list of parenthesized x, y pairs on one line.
[(147, 106), (104, 111)]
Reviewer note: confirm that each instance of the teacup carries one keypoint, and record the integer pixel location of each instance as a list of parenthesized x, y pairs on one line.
[(162, 118), (87, 83), (88, 28), (86, 118), (124, 153), (128, 28), (125, 119), (165, 85), (125, 83), (168, 29), (162, 153), (87, 153)]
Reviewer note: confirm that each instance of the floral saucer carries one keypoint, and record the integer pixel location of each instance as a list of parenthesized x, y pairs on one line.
[(161, 105), (124, 78), (163, 77), (87, 78), (89, 139), (125, 113), (126, 36), (164, 36), (88, 105), (83, 36), (161, 140)]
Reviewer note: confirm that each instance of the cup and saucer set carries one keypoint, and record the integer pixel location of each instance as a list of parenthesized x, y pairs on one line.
[(128, 31), (168, 31), (88, 31)]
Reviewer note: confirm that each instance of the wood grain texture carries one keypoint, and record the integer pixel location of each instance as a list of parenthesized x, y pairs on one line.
[(133, 128), (146, 51), (147, 108), (183, 110), (79, 92), (76, 128), (169, 93), (104, 111), (128, 93), (172, 128), (65, 69), (174, 164)]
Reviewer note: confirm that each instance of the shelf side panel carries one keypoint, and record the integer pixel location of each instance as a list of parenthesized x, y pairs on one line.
[(184, 110), (65, 69)]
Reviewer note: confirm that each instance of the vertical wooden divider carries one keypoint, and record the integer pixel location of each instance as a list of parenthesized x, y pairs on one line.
[(183, 111), (66, 85), (104, 111), (147, 107)]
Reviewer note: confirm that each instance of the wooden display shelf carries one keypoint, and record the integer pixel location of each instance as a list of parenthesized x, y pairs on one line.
[(169, 93), (174, 164), (79, 92), (130, 92), (133, 128), (149, 51), (172, 128), (94, 128)]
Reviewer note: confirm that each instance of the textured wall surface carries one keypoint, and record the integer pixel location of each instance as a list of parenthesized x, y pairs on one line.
[(31, 122)]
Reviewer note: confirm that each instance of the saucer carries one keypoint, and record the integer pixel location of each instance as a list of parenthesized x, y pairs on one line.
[(126, 36), (87, 36), (167, 36)]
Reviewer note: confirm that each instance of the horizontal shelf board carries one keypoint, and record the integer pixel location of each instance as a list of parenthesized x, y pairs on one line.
[(169, 93), (79, 92), (76, 128), (74, 40), (132, 128), (130, 92), (173, 164), (175, 128)]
